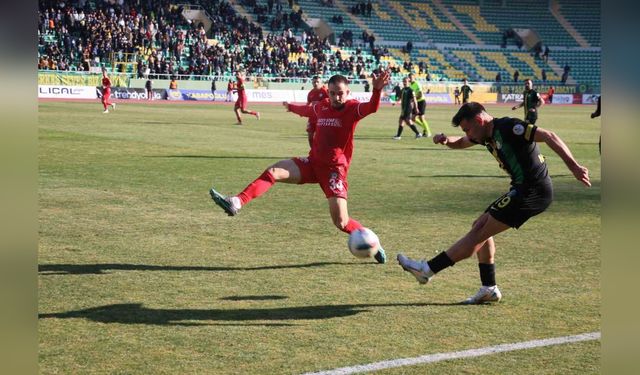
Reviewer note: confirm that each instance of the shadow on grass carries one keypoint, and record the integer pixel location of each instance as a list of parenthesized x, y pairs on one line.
[(478, 176), (220, 157), (100, 268), (252, 298), (460, 176), (135, 313)]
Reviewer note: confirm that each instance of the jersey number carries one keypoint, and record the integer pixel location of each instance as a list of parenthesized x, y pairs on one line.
[(504, 202)]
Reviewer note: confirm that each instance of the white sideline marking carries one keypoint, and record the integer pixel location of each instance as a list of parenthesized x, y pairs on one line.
[(430, 358)]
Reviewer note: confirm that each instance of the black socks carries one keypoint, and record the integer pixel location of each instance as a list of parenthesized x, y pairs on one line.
[(440, 262)]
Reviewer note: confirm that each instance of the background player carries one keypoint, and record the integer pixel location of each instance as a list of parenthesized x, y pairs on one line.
[(315, 95), (241, 103), (595, 114), (531, 101), (106, 92), (466, 91), (329, 158), (148, 86), (230, 88), (513, 144), (421, 106), (407, 103)]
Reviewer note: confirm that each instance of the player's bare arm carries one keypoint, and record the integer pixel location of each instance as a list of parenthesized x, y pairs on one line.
[(541, 101), (559, 147), (453, 141)]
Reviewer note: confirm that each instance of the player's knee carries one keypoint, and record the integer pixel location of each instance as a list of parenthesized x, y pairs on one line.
[(274, 170)]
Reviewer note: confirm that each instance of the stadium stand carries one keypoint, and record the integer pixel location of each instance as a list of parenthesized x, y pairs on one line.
[(437, 40)]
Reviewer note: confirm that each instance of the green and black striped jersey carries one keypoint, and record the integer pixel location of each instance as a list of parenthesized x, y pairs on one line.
[(530, 99), (407, 98), (517, 153)]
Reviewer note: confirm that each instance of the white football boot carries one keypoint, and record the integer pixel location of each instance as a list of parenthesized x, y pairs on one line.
[(486, 294), (419, 269)]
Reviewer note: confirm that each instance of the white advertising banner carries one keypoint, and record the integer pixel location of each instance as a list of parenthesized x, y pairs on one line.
[(562, 99), (590, 98), (271, 96), (67, 92)]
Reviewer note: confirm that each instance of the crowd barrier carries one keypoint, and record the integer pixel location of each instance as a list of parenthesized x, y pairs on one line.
[(278, 96)]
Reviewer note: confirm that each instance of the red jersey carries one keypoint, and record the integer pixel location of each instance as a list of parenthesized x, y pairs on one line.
[(317, 95), (333, 140), (240, 87), (106, 83)]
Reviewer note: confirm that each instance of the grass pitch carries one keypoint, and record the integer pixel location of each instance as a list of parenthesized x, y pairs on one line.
[(139, 272)]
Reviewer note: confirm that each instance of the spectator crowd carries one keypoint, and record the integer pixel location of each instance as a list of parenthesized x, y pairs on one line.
[(154, 37)]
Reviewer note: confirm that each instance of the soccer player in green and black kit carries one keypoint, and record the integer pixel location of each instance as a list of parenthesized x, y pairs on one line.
[(408, 102), (421, 108), (531, 101), (466, 91), (513, 143)]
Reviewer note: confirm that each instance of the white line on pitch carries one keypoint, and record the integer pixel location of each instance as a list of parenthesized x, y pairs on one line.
[(430, 358)]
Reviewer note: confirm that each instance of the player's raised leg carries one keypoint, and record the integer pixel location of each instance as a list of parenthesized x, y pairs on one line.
[(283, 171), (340, 217), (483, 228)]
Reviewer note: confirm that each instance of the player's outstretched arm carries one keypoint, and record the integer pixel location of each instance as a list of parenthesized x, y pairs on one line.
[(303, 110), (517, 106), (452, 142), (559, 147), (379, 81)]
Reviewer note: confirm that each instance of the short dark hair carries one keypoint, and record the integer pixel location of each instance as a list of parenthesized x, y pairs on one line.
[(467, 112), (337, 79), (314, 78)]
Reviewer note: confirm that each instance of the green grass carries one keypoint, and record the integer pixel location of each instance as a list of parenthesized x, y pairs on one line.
[(139, 272)]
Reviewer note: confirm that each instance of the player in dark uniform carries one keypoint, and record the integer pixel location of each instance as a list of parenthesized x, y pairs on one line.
[(513, 143), (466, 92), (148, 86), (408, 103), (531, 101), (595, 114)]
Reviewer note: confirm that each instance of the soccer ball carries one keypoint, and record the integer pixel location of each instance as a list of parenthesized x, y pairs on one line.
[(363, 243)]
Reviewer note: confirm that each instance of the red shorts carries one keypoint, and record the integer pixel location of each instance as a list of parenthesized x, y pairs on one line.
[(332, 179), (106, 94), (241, 103)]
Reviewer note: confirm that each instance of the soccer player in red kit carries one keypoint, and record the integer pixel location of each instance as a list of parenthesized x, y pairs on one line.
[(329, 158), (317, 94), (106, 92), (241, 103), (230, 88)]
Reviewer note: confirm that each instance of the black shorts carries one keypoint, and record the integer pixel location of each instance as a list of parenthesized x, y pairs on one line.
[(422, 107), (521, 203), (406, 113), (532, 117)]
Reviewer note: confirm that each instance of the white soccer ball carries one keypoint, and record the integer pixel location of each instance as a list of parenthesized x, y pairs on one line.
[(363, 243)]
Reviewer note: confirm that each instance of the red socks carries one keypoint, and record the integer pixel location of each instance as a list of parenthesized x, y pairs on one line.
[(264, 182), (258, 187), (351, 226)]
